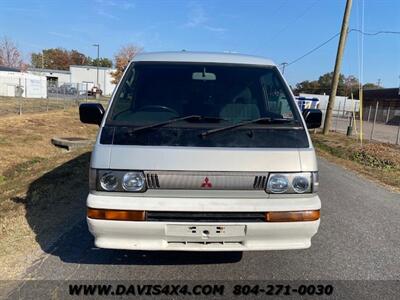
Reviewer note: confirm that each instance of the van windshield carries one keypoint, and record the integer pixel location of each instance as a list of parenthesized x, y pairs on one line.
[(156, 92), (203, 105)]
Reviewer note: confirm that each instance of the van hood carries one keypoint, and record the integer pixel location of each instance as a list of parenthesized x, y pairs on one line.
[(203, 159)]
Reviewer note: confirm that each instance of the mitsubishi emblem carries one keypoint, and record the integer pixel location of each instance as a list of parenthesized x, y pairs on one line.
[(206, 183)]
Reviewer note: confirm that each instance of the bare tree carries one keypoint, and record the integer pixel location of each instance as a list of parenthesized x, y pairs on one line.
[(122, 59), (10, 56)]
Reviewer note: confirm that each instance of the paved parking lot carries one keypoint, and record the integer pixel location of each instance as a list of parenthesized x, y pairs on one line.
[(382, 132)]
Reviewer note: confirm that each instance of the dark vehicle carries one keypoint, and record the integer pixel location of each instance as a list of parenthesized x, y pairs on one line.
[(95, 90), (67, 88)]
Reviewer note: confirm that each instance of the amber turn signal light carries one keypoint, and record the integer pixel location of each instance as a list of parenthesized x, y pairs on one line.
[(292, 216), (116, 215)]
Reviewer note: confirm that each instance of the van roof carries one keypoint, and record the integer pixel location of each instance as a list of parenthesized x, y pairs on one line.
[(203, 57)]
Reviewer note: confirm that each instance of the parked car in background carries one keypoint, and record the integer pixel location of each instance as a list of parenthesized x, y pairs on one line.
[(68, 89), (94, 90), (52, 88)]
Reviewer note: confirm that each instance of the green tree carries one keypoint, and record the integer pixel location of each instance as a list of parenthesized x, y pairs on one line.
[(370, 86), (102, 62), (61, 59), (351, 85), (54, 58), (346, 85), (325, 83), (77, 58), (310, 87)]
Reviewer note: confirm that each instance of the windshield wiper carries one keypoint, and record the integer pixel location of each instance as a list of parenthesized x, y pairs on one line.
[(174, 120), (209, 118), (244, 123), (163, 123)]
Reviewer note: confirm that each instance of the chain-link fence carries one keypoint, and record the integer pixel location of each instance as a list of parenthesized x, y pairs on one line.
[(379, 124), (19, 105), (18, 96), (78, 91)]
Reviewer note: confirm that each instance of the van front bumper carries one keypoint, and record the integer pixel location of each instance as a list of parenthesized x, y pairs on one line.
[(240, 236), (153, 236)]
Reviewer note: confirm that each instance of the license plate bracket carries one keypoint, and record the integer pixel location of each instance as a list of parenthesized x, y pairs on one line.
[(189, 232)]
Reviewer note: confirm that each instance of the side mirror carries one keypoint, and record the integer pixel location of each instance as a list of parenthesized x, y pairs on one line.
[(313, 118), (91, 113)]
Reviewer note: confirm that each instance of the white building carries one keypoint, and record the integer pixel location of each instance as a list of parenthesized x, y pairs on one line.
[(88, 74), (342, 104), (14, 83), (52, 75), (81, 77)]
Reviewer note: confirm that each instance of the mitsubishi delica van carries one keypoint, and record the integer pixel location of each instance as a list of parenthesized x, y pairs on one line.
[(202, 152)]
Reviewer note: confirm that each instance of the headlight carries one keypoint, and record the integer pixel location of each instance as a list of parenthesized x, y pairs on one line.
[(133, 181), (109, 182), (277, 183), (117, 181), (292, 183), (300, 184)]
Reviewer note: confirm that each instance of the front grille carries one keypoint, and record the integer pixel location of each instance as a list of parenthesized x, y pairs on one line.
[(259, 182), (152, 181), (165, 216), (205, 180)]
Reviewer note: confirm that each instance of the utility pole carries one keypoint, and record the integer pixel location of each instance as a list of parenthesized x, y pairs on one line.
[(284, 64), (336, 72), (399, 84), (379, 82), (97, 63)]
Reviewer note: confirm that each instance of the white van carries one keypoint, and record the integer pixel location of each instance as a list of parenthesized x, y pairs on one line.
[(203, 152)]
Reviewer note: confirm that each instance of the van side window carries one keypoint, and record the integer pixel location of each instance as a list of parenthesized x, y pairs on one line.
[(126, 94), (277, 101)]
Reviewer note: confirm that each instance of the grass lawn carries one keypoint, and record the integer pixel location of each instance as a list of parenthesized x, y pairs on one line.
[(42, 188), (377, 161)]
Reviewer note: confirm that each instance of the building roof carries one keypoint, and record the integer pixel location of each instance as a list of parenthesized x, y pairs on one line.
[(382, 94), (203, 57), (49, 70), (66, 71), (9, 69), (89, 67)]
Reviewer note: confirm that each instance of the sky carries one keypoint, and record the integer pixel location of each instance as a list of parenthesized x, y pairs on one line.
[(281, 30)]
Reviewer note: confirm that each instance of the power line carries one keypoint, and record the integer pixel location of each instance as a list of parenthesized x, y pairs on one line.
[(335, 35), (375, 33), (314, 49)]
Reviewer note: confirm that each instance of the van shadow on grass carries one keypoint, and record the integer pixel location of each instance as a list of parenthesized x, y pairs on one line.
[(56, 212)]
